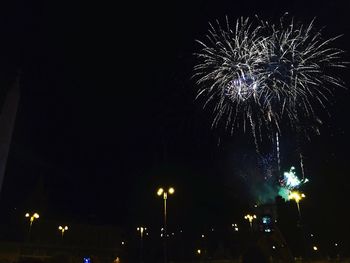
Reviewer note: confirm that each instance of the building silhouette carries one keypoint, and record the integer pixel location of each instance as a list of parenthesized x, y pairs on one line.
[(8, 110)]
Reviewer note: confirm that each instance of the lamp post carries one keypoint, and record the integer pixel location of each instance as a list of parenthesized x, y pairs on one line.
[(141, 230), (235, 227), (297, 196), (31, 219), (164, 193), (62, 229), (250, 218)]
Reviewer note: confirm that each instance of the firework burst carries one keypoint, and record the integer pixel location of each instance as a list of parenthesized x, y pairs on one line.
[(259, 76), (290, 182)]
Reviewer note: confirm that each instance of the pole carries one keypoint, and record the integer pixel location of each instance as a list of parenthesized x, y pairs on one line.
[(278, 154), (141, 244), (30, 228), (165, 196), (299, 211)]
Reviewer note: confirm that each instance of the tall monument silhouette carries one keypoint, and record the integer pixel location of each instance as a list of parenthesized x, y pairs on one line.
[(8, 111)]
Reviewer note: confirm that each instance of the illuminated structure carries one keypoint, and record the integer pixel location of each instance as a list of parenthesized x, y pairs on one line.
[(63, 229), (164, 193), (141, 229), (250, 218), (31, 219), (297, 196)]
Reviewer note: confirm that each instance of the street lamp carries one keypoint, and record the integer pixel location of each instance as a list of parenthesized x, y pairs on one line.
[(141, 230), (297, 196), (235, 227), (250, 218), (164, 193), (31, 219), (63, 229)]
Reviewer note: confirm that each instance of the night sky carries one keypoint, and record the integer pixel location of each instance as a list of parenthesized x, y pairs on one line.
[(108, 114)]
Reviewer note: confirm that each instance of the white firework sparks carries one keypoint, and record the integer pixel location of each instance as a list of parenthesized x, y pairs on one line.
[(259, 76)]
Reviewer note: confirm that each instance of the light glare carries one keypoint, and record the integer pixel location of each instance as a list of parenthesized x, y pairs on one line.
[(160, 191), (171, 190)]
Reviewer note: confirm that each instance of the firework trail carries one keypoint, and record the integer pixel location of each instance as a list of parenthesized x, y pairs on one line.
[(302, 164), (260, 75), (278, 153)]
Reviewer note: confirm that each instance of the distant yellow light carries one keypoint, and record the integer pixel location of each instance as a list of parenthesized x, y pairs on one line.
[(61, 228), (199, 251), (250, 217), (296, 196), (160, 191), (315, 248), (171, 190), (32, 217), (141, 229)]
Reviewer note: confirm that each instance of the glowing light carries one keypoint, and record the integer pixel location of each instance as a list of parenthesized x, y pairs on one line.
[(250, 218), (199, 251), (315, 248), (291, 181), (297, 196), (63, 229), (235, 227), (31, 218), (165, 193), (203, 236), (141, 229), (160, 191)]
